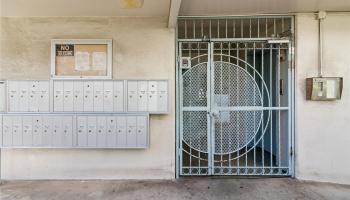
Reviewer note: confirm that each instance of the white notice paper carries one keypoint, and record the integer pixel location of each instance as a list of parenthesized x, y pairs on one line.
[(99, 61), (331, 89), (82, 61)]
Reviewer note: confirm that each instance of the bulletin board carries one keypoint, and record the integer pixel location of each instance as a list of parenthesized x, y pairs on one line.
[(81, 58)]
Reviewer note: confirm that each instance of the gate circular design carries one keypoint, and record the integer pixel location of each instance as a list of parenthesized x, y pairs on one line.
[(195, 132), (235, 88)]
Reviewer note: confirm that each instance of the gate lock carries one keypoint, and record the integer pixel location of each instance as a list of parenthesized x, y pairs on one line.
[(214, 113)]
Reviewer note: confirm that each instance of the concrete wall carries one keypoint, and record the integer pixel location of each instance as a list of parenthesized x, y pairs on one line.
[(143, 48), (323, 128)]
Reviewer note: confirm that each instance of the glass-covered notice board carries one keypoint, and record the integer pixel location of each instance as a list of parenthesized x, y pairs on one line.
[(81, 58)]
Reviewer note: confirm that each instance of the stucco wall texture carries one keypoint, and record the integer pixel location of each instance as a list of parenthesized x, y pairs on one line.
[(323, 128), (143, 48)]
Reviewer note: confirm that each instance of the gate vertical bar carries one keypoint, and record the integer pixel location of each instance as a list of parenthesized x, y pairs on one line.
[(289, 109), (279, 104), (180, 113), (209, 106)]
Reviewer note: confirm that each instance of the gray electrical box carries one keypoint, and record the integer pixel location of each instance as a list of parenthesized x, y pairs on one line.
[(324, 88)]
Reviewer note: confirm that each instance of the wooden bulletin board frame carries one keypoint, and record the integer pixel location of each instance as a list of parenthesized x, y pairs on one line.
[(67, 58)]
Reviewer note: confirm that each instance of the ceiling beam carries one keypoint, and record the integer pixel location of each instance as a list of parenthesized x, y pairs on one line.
[(174, 12)]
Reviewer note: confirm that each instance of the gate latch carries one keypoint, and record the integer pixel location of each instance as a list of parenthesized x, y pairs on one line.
[(214, 114)]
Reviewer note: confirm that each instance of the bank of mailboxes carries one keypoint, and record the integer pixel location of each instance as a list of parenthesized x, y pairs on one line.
[(109, 96), (88, 96), (147, 96), (75, 131), (28, 96), (37, 131), (80, 113)]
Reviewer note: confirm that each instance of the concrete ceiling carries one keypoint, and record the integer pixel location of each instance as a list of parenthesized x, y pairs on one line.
[(164, 7), (239, 7), (24, 8)]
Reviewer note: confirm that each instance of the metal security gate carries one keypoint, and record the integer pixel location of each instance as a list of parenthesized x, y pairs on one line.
[(234, 107)]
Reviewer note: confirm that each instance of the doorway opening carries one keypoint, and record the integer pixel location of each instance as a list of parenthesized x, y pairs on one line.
[(235, 96)]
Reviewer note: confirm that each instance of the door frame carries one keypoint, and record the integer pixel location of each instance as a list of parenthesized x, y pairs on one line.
[(291, 91)]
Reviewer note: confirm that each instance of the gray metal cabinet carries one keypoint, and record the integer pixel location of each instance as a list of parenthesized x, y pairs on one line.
[(82, 131), (148, 96), (7, 131), (47, 122), (119, 130), (88, 96), (101, 131), (108, 96), (37, 130), (111, 131), (91, 131), (28, 96), (17, 139), (2, 96), (141, 134), (131, 131), (0, 130), (27, 129), (67, 131), (118, 96), (98, 96)]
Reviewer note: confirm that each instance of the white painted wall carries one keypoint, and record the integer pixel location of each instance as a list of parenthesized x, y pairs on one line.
[(323, 128), (143, 48)]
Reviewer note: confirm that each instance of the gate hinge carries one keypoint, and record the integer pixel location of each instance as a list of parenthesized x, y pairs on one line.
[(291, 151)]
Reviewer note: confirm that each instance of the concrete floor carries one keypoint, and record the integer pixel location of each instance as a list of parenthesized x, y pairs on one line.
[(185, 188)]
